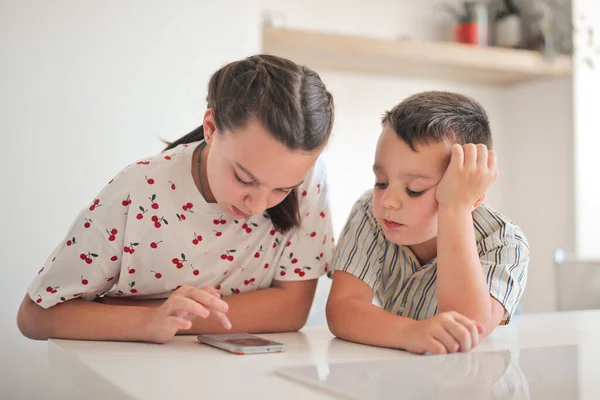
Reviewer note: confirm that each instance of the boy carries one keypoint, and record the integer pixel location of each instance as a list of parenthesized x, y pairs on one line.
[(446, 268)]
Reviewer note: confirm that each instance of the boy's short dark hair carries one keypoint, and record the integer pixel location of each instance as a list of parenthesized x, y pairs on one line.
[(434, 116)]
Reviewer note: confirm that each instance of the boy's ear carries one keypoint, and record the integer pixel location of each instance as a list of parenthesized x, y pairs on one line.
[(210, 125), (478, 202)]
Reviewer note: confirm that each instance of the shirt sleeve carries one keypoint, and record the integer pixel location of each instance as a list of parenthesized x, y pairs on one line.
[(505, 258), (361, 248), (86, 263), (308, 249)]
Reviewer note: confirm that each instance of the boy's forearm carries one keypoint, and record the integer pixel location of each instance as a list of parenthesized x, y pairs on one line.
[(80, 319), (357, 321), (461, 284), (261, 311)]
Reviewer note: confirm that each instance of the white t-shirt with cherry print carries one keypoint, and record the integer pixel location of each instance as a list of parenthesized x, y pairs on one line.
[(149, 231)]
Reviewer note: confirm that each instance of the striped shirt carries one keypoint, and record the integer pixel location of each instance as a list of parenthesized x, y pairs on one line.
[(403, 286)]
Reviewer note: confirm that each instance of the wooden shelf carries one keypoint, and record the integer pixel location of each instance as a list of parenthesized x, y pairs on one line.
[(428, 60)]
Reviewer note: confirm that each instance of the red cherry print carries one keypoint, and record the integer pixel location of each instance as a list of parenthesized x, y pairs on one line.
[(149, 180), (111, 181), (152, 199), (216, 222), (88, 261), (217, 234), (113, 258), (218, 287), (302, 273), (82, 256), (39, 300), (235, 291), (132, 290), (313, 234), (40, 271), (288, 244), (96, 202), (246, 282), (141, 214), (71, 241), (167, 157), (84, 281), (131, 270), (273, 231), (195, 271), (256, 255), (54, 291), (318, 188), (87, 223), (179, 262), (294, 260), (322, 214), (49, 289), (159, 221), (266, 266), (197, 239), (110, 279), (282, 273), (228, 255), (304, 193), (173, 187), (127, 201), (297, 270), (157, 275)]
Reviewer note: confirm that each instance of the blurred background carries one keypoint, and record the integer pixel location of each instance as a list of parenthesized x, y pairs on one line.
[(88, 86)]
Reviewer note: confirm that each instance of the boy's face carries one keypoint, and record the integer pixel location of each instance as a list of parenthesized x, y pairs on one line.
[(404, 198)]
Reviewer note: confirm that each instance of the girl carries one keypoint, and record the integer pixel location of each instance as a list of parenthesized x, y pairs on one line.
[(231, 223)]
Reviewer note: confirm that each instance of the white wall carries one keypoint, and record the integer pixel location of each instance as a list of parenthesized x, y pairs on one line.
[(587, 129), (539, 179), (533, 141), (86, 87)]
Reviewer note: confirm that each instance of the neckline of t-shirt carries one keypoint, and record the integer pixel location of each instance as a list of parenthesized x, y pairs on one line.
[(190, 186)]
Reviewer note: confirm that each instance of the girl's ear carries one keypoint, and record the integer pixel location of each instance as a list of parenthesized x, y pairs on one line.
[(210, 125)]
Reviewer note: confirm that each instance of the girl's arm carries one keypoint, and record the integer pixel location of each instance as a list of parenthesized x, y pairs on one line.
[(284, 307)]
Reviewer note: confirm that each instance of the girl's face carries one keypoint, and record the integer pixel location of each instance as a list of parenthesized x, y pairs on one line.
[(248, 170)]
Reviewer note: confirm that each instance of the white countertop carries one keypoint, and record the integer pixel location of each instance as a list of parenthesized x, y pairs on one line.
[(566, 355)]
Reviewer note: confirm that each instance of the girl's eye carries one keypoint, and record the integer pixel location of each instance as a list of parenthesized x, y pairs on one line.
[(414, 194), (237, 178), (381, 185)]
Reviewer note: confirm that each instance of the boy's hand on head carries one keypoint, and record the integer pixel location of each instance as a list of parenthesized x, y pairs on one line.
[(470, 174), (448, 332), (178, 311)]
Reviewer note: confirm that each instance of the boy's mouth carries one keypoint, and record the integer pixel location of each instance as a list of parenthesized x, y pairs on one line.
[(391, 224)]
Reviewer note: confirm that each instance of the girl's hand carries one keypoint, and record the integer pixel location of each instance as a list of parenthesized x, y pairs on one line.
[(178, 311)]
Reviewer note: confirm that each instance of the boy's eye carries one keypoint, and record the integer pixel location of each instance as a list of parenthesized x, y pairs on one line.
[(381, 185), (237, 178), (412, 193)]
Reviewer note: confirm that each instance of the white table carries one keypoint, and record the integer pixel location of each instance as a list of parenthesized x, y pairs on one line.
[(185, 369)]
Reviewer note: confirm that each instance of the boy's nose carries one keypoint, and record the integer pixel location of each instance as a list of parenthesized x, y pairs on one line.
[(390, 201)]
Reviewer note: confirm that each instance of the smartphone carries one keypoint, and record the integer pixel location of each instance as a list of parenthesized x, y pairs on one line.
[(242, 343)]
